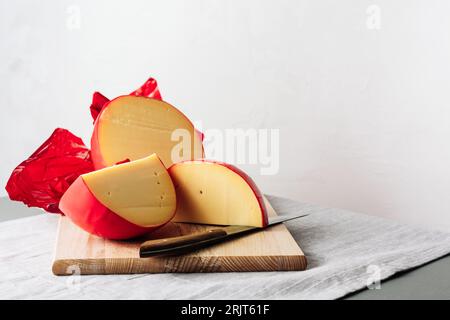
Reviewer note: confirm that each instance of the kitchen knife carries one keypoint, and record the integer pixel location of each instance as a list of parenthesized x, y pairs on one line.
[(183, 244)]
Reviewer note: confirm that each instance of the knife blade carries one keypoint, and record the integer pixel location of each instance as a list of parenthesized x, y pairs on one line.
[(187, 243)]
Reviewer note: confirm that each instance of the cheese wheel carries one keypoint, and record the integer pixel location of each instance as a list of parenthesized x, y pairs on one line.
[(131, 127), (122, 201), (211, 192)]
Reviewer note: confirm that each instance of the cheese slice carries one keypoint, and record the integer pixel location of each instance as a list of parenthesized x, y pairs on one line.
[(211, 192), (131, 127), (140, 192)]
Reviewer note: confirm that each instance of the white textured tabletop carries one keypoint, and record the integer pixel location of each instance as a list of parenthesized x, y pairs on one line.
[(345, 252)]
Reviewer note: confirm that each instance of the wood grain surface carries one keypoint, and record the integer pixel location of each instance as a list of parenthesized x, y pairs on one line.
[(271, 249)]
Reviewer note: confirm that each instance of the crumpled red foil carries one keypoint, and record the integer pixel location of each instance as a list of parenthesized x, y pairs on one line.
[(41, 180), (98, 101), (149, 89)]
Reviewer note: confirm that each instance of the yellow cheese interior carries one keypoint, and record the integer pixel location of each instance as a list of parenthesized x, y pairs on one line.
[(134, 127), (210, 193), (141, 191)]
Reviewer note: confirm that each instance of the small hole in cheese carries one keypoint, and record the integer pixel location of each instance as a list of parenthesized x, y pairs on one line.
[(201, 191)]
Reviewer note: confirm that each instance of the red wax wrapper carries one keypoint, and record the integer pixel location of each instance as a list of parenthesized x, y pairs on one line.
[(41, 180), (148, 89), (98, 101)]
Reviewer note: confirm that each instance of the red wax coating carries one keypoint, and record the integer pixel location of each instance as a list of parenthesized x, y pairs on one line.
[(98, 102), (41, 180), (83, 208), (149, 89)]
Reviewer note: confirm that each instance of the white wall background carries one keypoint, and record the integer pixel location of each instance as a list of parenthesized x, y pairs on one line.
[(364, 115)]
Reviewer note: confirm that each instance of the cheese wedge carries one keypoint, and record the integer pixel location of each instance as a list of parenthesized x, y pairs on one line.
[(122, 201), (131, 127), (210, 192)]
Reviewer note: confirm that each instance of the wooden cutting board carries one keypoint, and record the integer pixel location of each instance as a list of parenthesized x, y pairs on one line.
[(272, 249)]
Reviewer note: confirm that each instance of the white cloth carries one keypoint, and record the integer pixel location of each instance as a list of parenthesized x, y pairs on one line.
[(345, 251)]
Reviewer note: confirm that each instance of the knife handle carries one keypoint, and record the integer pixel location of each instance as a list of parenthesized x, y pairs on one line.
[(181, 244)]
